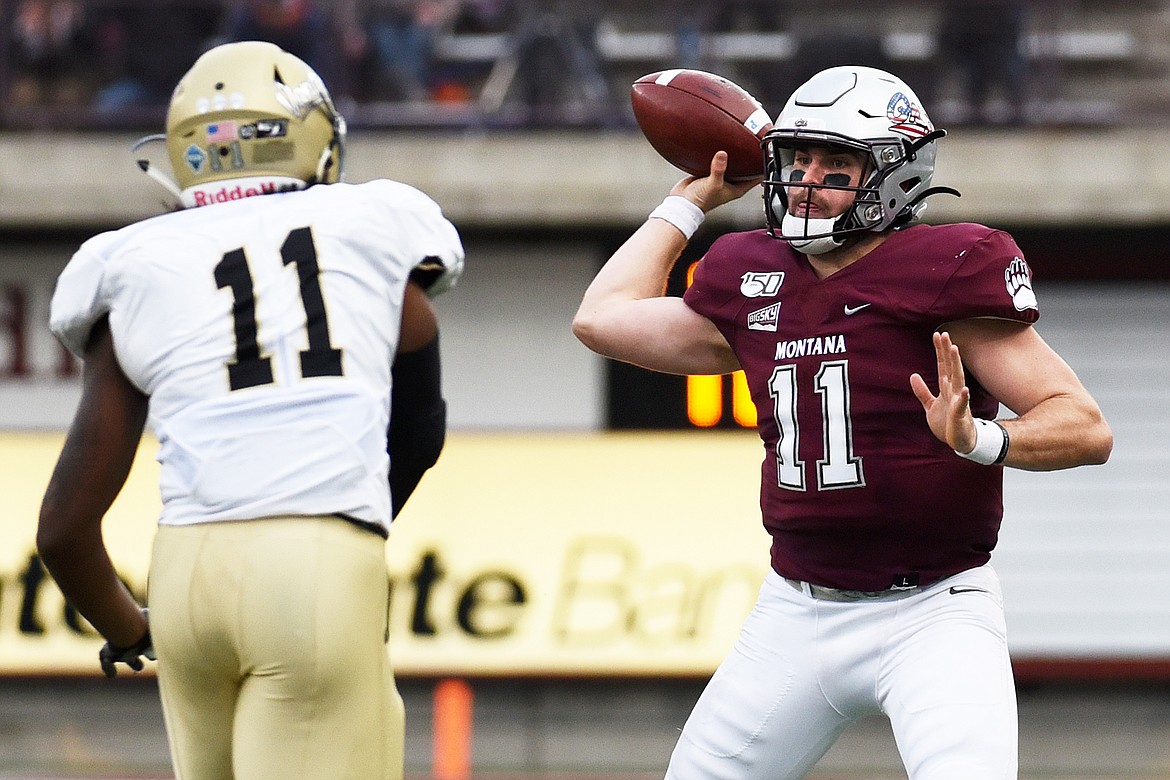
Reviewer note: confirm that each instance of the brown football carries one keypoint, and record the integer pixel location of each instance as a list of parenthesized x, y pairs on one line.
[(688, 115)]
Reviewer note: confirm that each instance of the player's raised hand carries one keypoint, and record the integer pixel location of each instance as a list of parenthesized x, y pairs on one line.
[(710, 191), (949, 413)]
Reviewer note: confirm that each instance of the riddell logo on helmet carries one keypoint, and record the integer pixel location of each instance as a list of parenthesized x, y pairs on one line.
[(238, 192)]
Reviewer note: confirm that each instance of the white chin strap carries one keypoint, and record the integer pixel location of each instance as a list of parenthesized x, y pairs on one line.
[(792, 226)]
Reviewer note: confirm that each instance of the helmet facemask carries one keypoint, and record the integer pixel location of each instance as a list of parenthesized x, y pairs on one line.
[(867, 112), (807, 234)]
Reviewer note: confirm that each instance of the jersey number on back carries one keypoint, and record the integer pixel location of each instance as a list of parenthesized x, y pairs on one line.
[(250, 368), (838, 468)]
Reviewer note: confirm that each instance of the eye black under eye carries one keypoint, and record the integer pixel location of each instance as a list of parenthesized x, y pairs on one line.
[(837, 179), (796, 176)]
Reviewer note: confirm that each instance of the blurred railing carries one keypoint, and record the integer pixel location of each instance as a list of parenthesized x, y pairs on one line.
[(110, 64)]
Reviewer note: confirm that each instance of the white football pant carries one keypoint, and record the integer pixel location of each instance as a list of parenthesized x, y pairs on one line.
[(936, 663)]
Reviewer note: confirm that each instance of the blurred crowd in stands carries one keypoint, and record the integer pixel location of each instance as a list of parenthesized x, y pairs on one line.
[(116, 55), (118, 60)]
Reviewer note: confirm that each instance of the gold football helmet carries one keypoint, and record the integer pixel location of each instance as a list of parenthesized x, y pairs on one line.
[(249, 118)]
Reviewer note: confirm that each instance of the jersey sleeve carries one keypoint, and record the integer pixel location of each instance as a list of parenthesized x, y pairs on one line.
[(710, 291), (991, 280), (435, 243), (80, 299)]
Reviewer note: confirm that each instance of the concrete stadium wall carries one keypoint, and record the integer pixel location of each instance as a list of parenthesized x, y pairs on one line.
[(590, 179)]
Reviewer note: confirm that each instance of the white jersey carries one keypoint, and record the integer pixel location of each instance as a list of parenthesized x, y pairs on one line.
[(263, 331)]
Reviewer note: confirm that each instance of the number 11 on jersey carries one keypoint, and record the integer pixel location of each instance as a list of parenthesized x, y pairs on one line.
[(838, 467), (250, 368)]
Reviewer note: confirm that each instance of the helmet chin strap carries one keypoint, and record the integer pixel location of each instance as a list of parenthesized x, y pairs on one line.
[(792, 225), (151, 170)]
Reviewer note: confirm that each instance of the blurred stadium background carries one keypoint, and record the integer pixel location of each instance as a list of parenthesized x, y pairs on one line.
[(552, 615)]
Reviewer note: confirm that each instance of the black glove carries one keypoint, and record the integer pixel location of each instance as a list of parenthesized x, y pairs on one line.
[(131, 656)]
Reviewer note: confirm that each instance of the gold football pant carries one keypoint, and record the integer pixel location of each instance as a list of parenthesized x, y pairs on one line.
[(271, 641)]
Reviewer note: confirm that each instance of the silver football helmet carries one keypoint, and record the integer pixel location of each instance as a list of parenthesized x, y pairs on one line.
[(864, 110)]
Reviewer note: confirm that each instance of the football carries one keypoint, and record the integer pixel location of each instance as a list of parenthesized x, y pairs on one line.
[(688, 115)]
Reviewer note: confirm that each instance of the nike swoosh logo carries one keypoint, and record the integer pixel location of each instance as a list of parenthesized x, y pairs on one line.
[(849, 310), (955, 591)]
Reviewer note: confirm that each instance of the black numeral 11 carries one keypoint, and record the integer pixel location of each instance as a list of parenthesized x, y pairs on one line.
[(249, 368)]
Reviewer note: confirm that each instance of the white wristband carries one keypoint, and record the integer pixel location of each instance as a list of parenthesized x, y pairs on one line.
[(991, 443), (681, 213)]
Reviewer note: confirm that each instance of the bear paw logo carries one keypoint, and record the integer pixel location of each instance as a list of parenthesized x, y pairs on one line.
[(1019, 284)]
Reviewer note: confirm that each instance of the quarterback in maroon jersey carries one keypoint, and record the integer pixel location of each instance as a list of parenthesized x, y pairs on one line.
[(881, 484)]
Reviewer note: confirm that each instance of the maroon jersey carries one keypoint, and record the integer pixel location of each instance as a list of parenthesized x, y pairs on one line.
[(856, 491)]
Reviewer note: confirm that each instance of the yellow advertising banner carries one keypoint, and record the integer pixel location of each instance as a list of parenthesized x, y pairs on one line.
[(527, 553)]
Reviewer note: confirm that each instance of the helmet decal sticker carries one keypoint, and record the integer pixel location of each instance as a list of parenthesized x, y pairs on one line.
[(219, 102), (221, 131), (299, 100), (268, 128), (273, 151), (196, 158), (906, 116)]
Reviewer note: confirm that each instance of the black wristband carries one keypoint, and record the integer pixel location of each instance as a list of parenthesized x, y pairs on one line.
[(1003, 450)]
